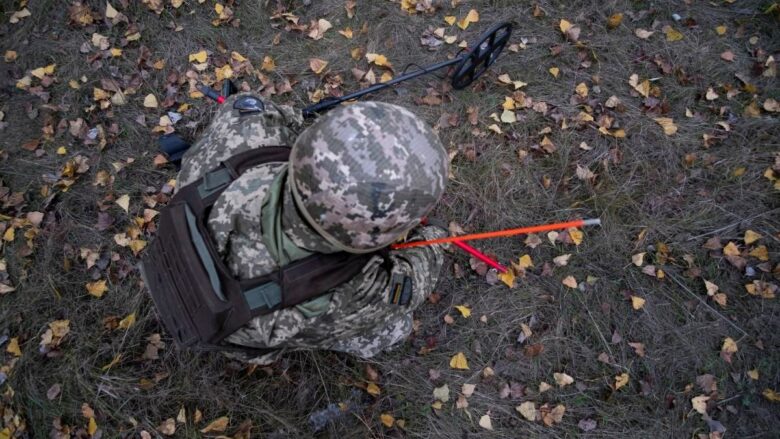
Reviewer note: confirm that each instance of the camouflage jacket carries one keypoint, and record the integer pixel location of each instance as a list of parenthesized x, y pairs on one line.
[(357, 317)]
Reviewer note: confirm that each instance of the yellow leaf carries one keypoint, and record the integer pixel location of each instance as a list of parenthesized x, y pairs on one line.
[(13, 347), (485, 422), (643, 33), (575, 235), (436, 405), (562, 379), (317, 65), (10, 56), (493, 127), (771, 395), (555, 71), (97, 288), (643, 88), (116, 52), (570, 281), (269, 65), (92, 427), (637, 302), (751, 237), (346, 33), (729, 345), (699, 404), (471, 17), (525, 261), (127, 322), (458, 361), (528, 410), (721, 299), (123, 202), (543, 387), (638, 259), (621, 380), (509, 102), (182, 416), (199, 57), (450, 19), (672, 34), (667, 123), (159, 64), (721, 30), (10, 234), (218, 425), (581, 90), (564, 26), (150, 101), (731, 249), (761, 253), (224, 72), (507, 277), (219, 8), (753, 374), (614, 20), (387, 419), (99, 94), (386, 76), (379, 60), (237, 56), (373, 389), (711, 287), (464, 310)]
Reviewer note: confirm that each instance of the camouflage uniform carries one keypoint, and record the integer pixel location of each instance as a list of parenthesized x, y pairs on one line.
[(358, 316)]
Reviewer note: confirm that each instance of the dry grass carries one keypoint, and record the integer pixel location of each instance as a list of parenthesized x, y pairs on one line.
[(650, 188)]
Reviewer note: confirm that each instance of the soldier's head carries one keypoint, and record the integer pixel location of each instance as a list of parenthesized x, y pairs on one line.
[(365, 174)]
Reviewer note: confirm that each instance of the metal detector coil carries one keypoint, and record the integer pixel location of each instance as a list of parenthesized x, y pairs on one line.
[(468, 67)]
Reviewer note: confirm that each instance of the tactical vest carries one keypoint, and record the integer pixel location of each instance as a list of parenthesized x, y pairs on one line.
[(198, 299)]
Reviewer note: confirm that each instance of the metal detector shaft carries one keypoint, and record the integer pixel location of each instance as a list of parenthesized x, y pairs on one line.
[(327, 104)]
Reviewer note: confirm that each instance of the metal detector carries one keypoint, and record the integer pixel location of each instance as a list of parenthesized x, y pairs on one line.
[(468, 67)]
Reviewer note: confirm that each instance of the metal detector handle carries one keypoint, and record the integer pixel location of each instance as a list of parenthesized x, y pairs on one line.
[(321, 106)]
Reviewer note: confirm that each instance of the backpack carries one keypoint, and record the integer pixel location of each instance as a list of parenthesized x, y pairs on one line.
[(198, 299)]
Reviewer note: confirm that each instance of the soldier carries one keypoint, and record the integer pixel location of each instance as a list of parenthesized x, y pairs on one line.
[(357, 180)]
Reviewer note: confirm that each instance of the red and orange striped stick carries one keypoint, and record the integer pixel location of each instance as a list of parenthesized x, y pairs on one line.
[(501, 233)]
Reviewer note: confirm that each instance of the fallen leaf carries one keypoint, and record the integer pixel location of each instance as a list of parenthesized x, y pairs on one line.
[(576, 235), (731, 249), (168, 427), (643, 88), (508, 278), (587, 424), (458, 361), (527, 410), (97, 288), (771, 395), (13, 347), (637, 302), (92, 427), (753, 374), (468, 389), (562, 379), (127, 322), (54, 391), (471, 17), (710, 95), (199, 57), (581, 89), (464, 310), (387, 420), (377, 59), (442, 393), (562, 261), (150, 101), (699, 403), (555, 71), (614, 20), (711, 287), (751, 237), (570, 281), (485, 422), (672, 34), (667, 123), (642, 33), (727, 56), (317, 65), (373, 389), (761, 253), (10, 56), (729, 345), (721, 30), (621, 380), (638, 259), (217, 426), (639, 348), (123, 202)]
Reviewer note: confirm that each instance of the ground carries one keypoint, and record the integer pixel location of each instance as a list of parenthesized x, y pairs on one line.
[(650, 351)]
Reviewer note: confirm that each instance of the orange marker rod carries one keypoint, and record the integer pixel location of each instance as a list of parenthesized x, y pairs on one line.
[(479, 255), (501, 233)]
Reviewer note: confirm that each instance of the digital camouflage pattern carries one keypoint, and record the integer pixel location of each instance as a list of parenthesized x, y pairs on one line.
[(366, 173), (359, 317)]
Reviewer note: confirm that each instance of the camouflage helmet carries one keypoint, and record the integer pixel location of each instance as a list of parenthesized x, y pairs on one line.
[(366, 173)]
